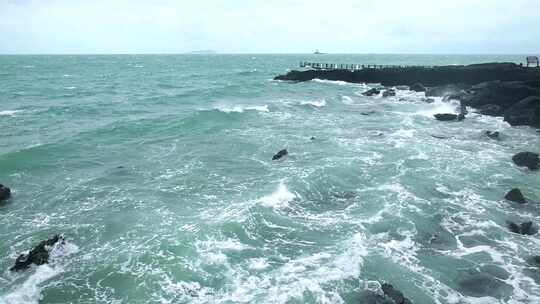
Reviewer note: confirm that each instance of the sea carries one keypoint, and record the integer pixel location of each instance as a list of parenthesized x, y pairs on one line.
[(158, 171)]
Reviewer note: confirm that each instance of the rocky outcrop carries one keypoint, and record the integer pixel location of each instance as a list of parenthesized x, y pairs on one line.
[(516, 196), (527, 159), (39, 255), (525, 112), (5, 192), (394, 294), (389, 93), (490, 110), (280, 155), (390, 295), (417, 87), (493, 134), (449, 117), (371, 92), (525, 228)]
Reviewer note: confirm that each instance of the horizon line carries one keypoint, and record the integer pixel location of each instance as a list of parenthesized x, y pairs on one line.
[(256, 53)]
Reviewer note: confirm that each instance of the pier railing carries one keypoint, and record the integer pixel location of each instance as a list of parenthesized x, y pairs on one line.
[(353, 67)]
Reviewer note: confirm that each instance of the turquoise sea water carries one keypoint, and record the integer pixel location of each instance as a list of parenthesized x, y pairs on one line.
[(158, 171)]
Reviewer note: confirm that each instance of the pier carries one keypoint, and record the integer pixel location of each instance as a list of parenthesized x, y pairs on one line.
[(357, 67)]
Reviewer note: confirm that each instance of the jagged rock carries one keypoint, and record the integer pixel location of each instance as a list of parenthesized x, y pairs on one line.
[(418, 87), (492, 134), (389, 92), (527, 159), (5, 192), (490, 109), (501, 93), (446, 90), (525, 228), (526, 112), (39, 255), (281, 154), (449, 117), (515, 195), (371, 92), (394, 294)]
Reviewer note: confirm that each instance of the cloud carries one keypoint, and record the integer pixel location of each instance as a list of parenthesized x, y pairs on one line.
[(167, 26)]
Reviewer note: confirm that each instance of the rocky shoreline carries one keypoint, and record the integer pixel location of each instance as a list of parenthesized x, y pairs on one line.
[(496, 89)]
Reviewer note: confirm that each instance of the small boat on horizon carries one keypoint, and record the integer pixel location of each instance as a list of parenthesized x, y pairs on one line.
[(318, 53)]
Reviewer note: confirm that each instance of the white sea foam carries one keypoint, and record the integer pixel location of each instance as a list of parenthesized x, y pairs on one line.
[(30, 291), (347, 100), (279, 198), (318, 104), (9, 112), (437, 107), (337, 82), (242, 109)]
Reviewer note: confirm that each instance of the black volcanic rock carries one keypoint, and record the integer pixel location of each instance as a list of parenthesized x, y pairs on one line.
[(525, 228), (5, 192), (38, 256), (525, 112), (501, 93), (449, 117), (389, 92), (490, 109), (527, 159), (515, 195), (493, 134), (395, 295), (371, 92), (281, 154), (418, 87)]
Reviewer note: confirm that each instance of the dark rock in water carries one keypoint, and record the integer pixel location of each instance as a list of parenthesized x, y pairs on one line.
[(527, 159), (394, 294), (479, 284), (492, 134), (370, 297), (389, 92), (368, 113), (5, 192), (501, 93), (441, 136), (515, 195), (280, 154), (449, 117), (525, 228), (38, 256), (526, 112), (417, 87), (402, 87), (490, 109), (312, 138), (371, 92), (535, 260)]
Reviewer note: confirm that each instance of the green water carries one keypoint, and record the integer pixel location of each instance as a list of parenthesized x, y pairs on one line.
[(158, 171)]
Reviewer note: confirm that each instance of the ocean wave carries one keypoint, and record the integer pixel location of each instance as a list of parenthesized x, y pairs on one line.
[(242, 109), (347, 100), (318, 104), (279, 198), (10, 112), (336, 82)]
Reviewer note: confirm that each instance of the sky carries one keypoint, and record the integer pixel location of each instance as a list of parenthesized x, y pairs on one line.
[(269, 26)]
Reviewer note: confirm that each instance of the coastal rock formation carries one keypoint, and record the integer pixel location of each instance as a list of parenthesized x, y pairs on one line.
[(5, 192), (525, 228), (525, 112), (490, 110), (390, 296), (394, 294), (280, 155), (449, 117), (492, 134), (527, 159), (515, 195), (371, 92), (39, 255), (389, 92), (417, 87)]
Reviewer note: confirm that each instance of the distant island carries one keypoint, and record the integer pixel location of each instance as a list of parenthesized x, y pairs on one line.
[(204, 52)]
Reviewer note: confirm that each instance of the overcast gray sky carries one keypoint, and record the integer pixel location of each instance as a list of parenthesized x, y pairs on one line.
[(270, 26)]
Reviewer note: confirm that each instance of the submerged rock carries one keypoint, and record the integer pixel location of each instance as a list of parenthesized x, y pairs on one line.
[(418, 87), (394, 294), (527, 159), (5, 192), (389, 93), (525, 228), (39, 255), (281, 154), (515, 195), (371, 92), (449, 117), (492, 134)]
